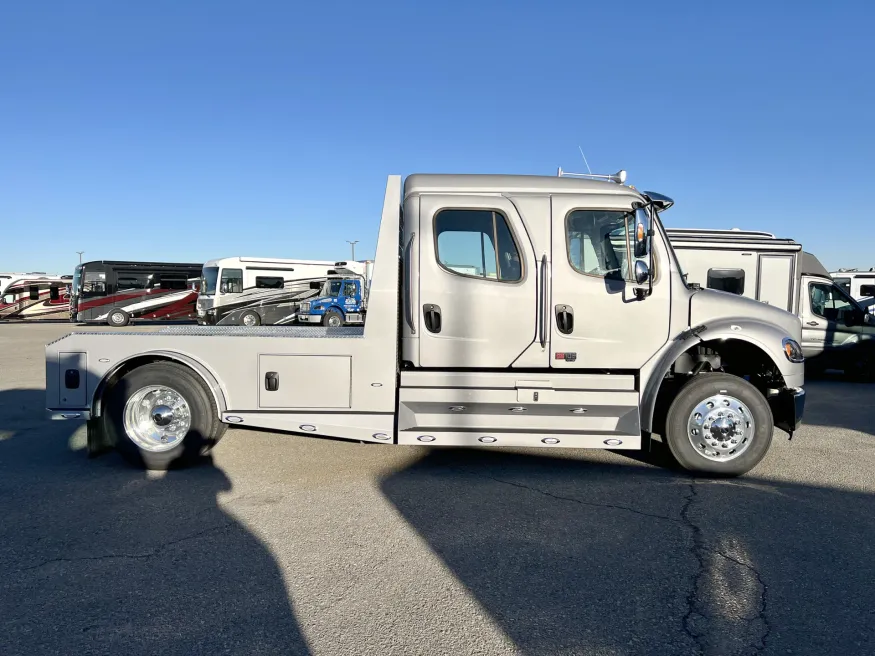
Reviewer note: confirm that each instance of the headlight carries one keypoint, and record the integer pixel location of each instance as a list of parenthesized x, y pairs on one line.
[(792, 350)]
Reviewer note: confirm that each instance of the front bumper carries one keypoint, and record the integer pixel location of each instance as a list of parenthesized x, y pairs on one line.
[(310, 318), (788, 406)]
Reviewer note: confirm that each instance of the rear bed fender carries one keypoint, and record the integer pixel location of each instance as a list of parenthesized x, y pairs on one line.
[(205, 373)]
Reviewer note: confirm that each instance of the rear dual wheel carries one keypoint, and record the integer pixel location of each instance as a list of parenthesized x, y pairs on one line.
[(719, 424), (161, 415)]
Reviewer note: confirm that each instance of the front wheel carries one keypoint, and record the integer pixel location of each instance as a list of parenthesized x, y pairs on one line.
[(250, 318), (118, 318), (332, 318), (161, 415), (720, 425)]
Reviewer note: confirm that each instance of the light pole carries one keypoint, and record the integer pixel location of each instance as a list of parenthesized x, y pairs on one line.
[(80, 256), (352, 243)]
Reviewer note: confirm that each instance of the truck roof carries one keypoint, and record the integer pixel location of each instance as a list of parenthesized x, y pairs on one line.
[(422, 183)]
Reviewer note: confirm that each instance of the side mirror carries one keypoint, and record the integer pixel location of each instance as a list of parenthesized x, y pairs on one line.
[(642, 272), (642, 232)]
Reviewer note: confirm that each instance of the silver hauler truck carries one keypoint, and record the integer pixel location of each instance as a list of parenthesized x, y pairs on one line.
[(522, 311)]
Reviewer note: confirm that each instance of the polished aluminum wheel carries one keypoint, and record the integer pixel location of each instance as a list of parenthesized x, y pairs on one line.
[(721, 428), (334, 321), (157, 418), (249, 320)]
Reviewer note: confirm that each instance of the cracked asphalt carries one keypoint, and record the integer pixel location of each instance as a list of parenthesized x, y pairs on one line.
[(289, 545)]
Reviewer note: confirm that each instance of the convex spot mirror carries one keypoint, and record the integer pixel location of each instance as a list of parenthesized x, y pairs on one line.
[(642, 272)]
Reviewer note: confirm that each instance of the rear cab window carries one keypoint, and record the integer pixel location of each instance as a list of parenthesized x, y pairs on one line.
[(477, 244)]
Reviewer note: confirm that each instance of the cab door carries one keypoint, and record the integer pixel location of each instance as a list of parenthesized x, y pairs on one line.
[(828, 326), (478, 289), (597, 321)]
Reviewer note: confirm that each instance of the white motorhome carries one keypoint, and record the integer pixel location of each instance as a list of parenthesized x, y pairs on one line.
[(859, 284), (253, 291), (836, 330), (580, 332)]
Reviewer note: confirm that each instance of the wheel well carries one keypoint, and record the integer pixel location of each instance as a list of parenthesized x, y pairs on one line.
[(732, 356), (149, 358)]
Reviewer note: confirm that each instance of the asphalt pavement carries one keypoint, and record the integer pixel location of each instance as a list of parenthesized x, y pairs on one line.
[(282, 544)]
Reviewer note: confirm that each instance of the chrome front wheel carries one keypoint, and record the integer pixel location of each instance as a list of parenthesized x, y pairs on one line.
[(721, 428), (157, 418)]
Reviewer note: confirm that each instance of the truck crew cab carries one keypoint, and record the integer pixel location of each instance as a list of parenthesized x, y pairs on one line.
[(503, 311)]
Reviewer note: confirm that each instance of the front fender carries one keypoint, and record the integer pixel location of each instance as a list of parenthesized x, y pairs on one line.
[(765, 336)]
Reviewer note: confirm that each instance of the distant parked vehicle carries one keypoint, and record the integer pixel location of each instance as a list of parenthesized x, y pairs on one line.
[(250, 291), (858, 284), (34, 296), (117, 292)]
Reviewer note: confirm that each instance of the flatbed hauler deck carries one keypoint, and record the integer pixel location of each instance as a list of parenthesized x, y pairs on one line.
[(522, 311)]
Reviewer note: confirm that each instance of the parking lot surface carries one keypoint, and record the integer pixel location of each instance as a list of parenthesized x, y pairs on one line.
[(283, 544)]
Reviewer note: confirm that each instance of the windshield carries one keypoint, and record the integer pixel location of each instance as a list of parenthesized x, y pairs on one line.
[(77, 278), (210, 278)]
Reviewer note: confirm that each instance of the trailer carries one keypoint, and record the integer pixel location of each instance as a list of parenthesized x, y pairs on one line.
[(579, 332), (837, 331)]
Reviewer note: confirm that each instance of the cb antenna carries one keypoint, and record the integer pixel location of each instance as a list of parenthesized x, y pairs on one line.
[(584, 160)]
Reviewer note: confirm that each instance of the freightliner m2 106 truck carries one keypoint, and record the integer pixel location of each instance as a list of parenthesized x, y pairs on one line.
[(522, 311)]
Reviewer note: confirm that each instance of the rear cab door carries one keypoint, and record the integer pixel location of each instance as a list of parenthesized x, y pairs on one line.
[(478, 288)]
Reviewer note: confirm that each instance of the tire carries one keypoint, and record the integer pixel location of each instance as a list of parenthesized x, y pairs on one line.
[(205, 428), (332, 318), (118, 318), (252, 317), (721, 456)]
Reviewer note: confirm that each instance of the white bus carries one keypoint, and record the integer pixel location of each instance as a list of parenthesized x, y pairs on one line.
[(254, 291)]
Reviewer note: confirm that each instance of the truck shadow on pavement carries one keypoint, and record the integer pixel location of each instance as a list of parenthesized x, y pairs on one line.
[(100, 558), (576, 556)]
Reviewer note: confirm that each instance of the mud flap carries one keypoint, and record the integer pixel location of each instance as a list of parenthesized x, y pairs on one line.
[(98, 442), (788, 406)]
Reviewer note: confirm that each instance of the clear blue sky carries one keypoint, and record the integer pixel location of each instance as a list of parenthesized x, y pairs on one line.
[(185, 130)]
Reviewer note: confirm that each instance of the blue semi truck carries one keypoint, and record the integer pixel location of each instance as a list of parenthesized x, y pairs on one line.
[(341, 302)]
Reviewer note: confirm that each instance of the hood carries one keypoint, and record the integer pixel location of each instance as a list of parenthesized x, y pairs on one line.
[(710, 305)]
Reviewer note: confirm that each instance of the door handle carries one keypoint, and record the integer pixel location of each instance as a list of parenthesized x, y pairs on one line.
[(408, 284), (813, 323), (432, 315), (565, 319)]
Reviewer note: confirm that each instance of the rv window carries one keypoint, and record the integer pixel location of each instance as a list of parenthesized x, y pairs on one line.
[(867, 290), (34, 292), (54, 293), (171, 282), (477, 243), (844, 283), (94, 284), (726, 280), (269, 282), (8, 299), (131, 280), (232, 281), (598, 243)]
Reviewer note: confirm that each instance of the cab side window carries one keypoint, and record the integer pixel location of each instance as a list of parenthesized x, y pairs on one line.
[(598, 243), (829, 303), (478, 244), (349, 289)]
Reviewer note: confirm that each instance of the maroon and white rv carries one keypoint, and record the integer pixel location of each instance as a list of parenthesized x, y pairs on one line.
[(116, 293), (34, 296)]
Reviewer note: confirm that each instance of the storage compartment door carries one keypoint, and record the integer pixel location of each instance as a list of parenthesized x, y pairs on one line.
[(775, 281), (304, 382)]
